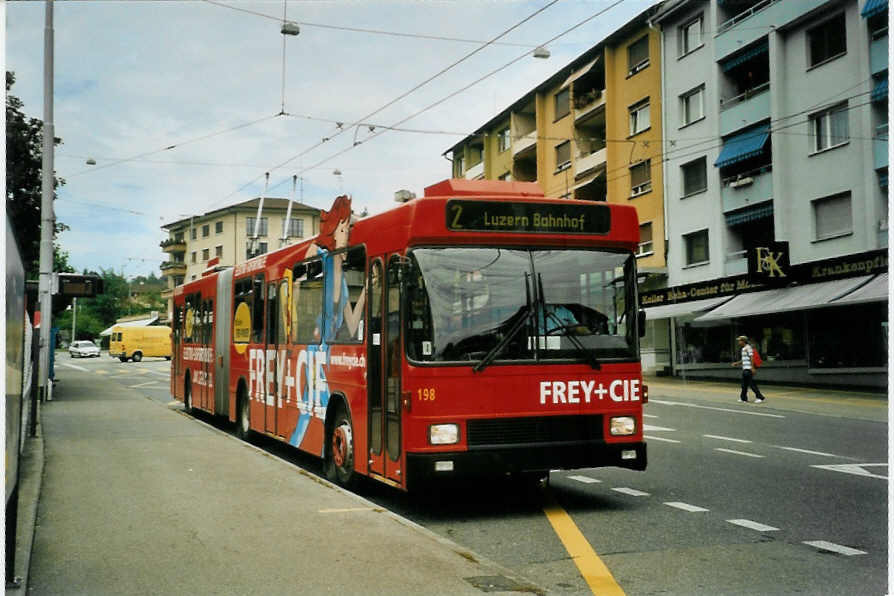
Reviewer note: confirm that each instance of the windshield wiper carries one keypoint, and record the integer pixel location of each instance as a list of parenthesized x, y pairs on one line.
[(527, 313), (588, 355)]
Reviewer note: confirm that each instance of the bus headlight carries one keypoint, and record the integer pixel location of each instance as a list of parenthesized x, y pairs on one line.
[(622, 426), (443, 434)]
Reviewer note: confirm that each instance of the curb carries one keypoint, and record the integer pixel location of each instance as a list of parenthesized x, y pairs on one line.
[(30, 479)]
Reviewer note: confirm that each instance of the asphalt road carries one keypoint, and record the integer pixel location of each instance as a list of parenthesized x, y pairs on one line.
[(785, 497)]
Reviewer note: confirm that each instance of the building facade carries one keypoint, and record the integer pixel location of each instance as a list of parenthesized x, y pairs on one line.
[(226, 234), (776, 118)]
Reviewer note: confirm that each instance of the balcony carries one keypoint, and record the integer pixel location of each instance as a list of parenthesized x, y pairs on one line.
[(475, 172), (587, 104), (173, 268), (745, 109), (748, 188), (748, 26), (878, 54), (584, 164), (880, 146), (173, 245), (524, 143)]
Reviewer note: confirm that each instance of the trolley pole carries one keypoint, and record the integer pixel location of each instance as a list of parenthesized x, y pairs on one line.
[(47, 217)]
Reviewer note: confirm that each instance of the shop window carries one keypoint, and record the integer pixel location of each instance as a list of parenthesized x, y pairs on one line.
[(849, 337), (696, 247), (778, 337), (698, 345), (563, 103), (827, 40), (695, 176), (832, 216)]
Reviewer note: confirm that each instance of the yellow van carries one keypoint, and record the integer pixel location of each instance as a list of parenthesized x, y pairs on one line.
[(129, 342)]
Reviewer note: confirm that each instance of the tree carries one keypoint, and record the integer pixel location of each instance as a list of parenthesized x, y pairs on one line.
[(24, 154)]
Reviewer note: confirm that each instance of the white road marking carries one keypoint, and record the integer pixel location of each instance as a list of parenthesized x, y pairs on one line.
[(835, 548), (686, 506), (161, 374), (651, 438), (732, 410), (807, 451), (855, 469), (74, 366), (584, 479), (649, 416), (752, 525), (142, 385), (631, 491), (722, 438), (734, 452), (658, 428)]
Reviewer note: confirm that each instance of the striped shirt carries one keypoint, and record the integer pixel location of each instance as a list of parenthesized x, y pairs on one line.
[(747, 352)]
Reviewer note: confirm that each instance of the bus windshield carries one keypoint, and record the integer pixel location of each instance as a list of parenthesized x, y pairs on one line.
[(508, 305)]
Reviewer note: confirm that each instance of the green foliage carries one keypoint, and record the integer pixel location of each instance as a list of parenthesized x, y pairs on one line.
[(24, 154)]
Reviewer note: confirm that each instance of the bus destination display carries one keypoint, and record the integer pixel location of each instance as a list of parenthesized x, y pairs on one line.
[(525, 218)]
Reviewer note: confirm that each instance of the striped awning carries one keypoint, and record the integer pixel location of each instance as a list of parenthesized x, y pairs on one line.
[(744, 56), (873, 7), (880, 90), (752, 213), (743, 145)]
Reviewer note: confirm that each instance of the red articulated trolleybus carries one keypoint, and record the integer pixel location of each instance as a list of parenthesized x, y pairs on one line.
[(479, 330)]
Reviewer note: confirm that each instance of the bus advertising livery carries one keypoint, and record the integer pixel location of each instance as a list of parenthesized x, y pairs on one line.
[(480, 330)]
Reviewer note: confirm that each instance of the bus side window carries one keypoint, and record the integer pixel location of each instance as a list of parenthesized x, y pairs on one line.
[(354, 271), (419, 331), (257, 315), (299, 273), (309, 302), (284, 314)]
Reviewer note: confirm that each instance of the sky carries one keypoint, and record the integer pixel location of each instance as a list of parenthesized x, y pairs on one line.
[(180, 102)]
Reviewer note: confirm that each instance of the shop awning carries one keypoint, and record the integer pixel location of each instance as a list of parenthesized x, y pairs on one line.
[(788, 299), (880, 91), (873, 7), (876, 290), (743, 145), (679, 309), (745, 56), (135, 323), (752, 213), (580, 72)]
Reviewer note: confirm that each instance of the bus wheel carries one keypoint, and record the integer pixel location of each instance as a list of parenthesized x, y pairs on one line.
[(137, 356), (340, 454), (243, 422)]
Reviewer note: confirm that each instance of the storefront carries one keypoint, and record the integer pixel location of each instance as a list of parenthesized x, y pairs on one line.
[(825, 323)]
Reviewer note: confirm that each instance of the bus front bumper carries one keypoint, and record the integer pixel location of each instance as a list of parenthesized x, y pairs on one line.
[(490, 461)]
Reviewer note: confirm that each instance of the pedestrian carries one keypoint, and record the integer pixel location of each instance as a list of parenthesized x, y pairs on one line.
[(747, 371)]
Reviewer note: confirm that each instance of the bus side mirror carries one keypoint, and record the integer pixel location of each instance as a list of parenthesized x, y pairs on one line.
[(641, 322)]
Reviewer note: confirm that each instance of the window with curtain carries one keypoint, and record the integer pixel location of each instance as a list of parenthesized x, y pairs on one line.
[(690, 36), (829, 128), (638, 55), (641, 178), (692, 105), (296, 228), (645, 239), (832, 216), (250, 226), (639, 117), (695, 176), (503, 139)]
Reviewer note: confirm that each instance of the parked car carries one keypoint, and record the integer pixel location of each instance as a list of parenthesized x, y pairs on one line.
[(83, 349)]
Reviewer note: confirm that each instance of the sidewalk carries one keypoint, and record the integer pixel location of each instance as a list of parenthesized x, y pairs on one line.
[(137, 498)]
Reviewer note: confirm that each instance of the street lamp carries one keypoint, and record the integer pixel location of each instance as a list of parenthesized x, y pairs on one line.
[(290, 28), (541, 52)]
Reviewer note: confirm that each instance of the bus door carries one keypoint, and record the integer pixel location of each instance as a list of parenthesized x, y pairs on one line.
[(374, 388), (270, 377), (391, 362), (176, 349), (207, 352)]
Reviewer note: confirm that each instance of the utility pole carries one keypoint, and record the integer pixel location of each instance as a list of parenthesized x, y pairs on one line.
[(47, 217), (74, 317)]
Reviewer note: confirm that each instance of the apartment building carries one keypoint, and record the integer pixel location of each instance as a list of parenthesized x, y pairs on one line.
[(225, 234), (776, 195)]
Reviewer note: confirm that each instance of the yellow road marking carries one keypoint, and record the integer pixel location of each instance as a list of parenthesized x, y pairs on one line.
[(591, 567)]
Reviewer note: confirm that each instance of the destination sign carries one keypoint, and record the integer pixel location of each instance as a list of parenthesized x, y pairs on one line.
[(525, 218)]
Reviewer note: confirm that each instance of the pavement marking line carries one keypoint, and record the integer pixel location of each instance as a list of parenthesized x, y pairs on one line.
[(722, 438), (855, 469), (74, 366), (807, 451), (584, 479), (856, 400), (835, 548), (141, 385), (733, 410), (658, 428), (660, 439), (347, 510), (734, 452), (649, 416), (591, 567), (630, 491), (686, 507), (752, 525)]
